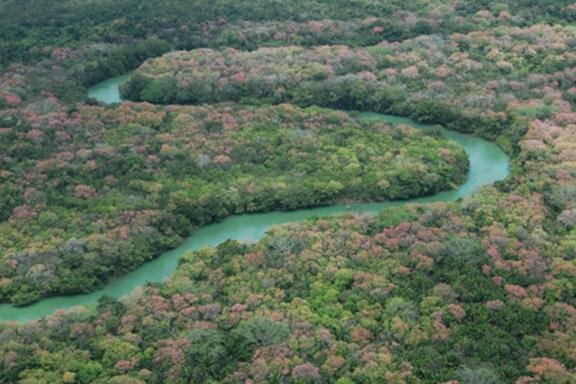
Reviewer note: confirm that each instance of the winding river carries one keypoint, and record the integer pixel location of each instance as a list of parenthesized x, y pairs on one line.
[(488, 163)]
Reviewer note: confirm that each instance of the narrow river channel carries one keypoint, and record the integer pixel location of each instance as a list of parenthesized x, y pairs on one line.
[(488, 163)]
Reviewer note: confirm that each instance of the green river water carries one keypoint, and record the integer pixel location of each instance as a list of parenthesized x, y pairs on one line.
[(488, 163)]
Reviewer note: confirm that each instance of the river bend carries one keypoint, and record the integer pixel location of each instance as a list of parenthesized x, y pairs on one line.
[(488, 163)]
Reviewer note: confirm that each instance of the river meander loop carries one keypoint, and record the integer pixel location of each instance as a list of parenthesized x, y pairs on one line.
[(488, 163)]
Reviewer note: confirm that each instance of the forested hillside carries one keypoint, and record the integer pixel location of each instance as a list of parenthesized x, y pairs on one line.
[(229, 114)]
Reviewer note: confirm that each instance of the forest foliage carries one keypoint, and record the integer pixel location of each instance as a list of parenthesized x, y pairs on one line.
[(91, 194), (476, 83), (476, 291)]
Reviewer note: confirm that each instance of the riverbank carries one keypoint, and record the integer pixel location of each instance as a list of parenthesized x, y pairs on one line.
[(488, 164)]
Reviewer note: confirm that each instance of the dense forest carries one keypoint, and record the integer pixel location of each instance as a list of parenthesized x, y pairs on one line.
[(92, 194), (409, 296), (480, 290), (477, 82), (30, 27)]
